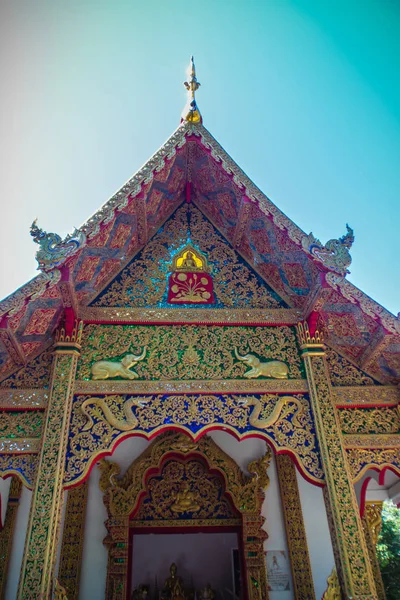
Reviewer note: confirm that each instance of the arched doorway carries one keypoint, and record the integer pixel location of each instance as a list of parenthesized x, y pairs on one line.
[(177, 486)]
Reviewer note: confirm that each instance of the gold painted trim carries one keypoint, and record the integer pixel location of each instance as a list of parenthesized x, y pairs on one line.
[(228, 316), (372, 522), (295, 530), (20, 445), (72, 540), (214, 386), (370, 440), (353, 564), (13, 398), (8, 531), (181, 428), (41, 542), (347, 396)]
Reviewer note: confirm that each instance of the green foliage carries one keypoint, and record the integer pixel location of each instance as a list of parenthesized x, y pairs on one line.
[(388, 550)]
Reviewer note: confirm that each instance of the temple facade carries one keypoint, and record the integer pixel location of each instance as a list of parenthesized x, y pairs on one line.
[(196, 403)]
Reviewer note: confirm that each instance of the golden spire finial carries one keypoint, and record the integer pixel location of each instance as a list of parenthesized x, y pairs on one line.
[(191, 112)]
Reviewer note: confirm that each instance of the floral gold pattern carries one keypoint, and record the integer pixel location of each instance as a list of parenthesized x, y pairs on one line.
[(353, 554), (72, 540), (189, 351), (372, 523), (7, 531), (37, 570), (142, 282), (113, 417), (369, 420)]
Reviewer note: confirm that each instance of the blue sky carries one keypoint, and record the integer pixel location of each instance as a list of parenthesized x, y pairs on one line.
[(303, 94)]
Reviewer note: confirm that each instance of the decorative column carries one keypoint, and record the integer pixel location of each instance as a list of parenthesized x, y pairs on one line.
[(372, 523), (37, 572), (354, 568), (7, 533), (303, 585), (72, 540)]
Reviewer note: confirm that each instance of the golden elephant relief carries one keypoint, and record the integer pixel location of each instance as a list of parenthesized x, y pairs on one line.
[(275, 369), (108, 369)]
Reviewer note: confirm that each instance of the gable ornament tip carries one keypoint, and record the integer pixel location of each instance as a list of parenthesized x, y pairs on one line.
[(191, 112)]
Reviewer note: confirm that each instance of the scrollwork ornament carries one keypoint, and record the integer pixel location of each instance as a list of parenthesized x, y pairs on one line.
[(354, 560), (98, 423), (190, 352)]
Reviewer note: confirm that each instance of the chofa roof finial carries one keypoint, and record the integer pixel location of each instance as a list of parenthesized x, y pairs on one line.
[(191, 112)]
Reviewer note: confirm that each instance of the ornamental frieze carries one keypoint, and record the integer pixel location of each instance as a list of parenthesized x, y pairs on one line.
[(362, 459), (99, 423), (344, 373), (183, 352), (22, 465), (366, 395), (370, 420), (20, 424)]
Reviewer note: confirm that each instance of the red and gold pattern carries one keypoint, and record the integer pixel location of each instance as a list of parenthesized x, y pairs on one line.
[(39, 321), (88, 268), (190, 288)]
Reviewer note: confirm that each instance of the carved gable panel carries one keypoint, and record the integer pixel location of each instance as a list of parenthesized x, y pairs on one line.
[(143, 283)]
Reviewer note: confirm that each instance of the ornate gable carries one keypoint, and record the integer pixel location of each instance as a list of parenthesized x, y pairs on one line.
[(143, 283), (258, 252)]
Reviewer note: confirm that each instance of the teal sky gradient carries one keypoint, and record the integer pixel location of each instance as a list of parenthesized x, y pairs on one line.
[(304, 95)]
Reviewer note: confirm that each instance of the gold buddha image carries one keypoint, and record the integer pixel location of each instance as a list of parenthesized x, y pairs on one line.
[(173, 587), (184, 500)]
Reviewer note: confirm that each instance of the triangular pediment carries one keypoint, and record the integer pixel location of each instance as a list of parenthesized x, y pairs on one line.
[(269, 261), (143, 282)]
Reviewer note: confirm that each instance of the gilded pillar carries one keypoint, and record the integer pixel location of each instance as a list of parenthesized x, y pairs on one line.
[(372, 523), (7, 533), (37, 571), (72, 540), (303, 585), (354, 568)]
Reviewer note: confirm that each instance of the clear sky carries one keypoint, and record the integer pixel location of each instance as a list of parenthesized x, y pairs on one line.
[(303, 94)]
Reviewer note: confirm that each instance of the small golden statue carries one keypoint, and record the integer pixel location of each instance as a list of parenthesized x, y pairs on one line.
[(173, 587), (141, 592), (207, 593), (184, 500)]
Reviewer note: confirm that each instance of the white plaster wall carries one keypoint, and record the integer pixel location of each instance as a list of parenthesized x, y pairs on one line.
[(317, 532), (201, 558), (244, 452), (94, 559), (17, 550), (275, 526), (4, 491)]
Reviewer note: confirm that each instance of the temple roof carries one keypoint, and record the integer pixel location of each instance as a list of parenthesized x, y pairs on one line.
[(192, 167)]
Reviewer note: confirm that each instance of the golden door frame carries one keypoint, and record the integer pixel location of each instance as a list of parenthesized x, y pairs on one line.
[(122, 498)]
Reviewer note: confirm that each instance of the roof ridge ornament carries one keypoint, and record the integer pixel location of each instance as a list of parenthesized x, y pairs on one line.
[(191, 111), (54, 250), (335, 254)]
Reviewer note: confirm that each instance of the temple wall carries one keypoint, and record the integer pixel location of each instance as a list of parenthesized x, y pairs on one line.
[(316, 524), (243, 452), (17, 551), (94, 559), (317, 532)]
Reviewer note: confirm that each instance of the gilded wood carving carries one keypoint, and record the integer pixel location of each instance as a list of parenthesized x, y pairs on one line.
[(98, 423)]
